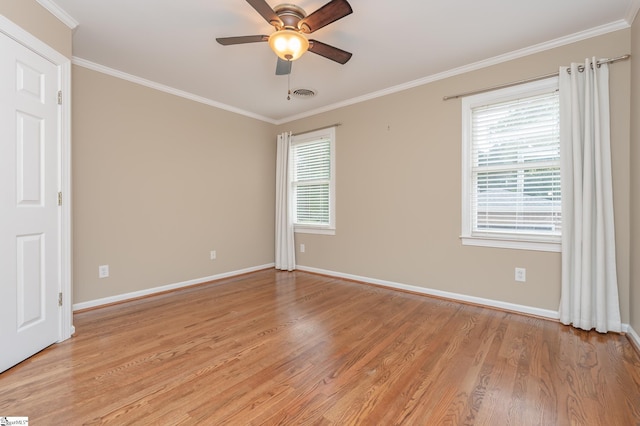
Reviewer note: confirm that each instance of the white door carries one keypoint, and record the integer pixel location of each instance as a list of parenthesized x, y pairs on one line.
[(29, 214)]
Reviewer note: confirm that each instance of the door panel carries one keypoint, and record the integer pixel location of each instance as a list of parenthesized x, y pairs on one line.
[(29, 149), (29, 212), (30, 283)]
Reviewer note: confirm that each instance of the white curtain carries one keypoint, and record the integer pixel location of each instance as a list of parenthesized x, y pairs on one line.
[(589, 295), (285, 246)]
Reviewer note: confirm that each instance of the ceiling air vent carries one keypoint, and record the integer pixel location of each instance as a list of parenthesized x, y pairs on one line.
[(303, 93)]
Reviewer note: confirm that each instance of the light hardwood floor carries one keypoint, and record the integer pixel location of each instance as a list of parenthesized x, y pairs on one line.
[(296, 348)]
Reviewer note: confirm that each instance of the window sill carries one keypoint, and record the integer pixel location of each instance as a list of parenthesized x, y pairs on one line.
[(301, 229), (520, 244)]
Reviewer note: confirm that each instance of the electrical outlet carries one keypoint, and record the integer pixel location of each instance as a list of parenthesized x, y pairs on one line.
[(521, 275), (301, 248), (212, 255), (103, 271)]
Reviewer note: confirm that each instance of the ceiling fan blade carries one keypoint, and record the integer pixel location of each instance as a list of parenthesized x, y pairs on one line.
[(283, 67), (330, 12), (227, 41), (329, 52), (266, 12)]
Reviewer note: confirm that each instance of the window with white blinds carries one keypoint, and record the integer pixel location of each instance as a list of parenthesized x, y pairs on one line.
[(511, 168), (312, 181)]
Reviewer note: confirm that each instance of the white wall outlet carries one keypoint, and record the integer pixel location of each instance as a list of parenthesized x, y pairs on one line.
[(521, 275), (301, 248), (212, 255), (103, 271)]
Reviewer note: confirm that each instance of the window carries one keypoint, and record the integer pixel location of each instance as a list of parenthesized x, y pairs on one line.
[(313, 182), (511, 168)]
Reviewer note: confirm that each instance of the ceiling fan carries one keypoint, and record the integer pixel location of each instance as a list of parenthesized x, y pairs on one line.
[(292, 23)]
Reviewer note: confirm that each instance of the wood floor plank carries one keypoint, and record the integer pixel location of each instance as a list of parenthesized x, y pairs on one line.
[(273, 347)]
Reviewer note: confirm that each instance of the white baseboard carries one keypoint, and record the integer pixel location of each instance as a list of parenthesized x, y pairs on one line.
[(633, 336), (530, 310), (154, 290)]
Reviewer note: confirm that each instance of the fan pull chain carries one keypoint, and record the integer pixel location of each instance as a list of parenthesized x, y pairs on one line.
[(289, 86)]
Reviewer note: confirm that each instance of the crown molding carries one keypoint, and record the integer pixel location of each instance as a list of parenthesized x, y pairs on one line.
[(167, 89), (562, 41), (59, 13), (632, 11)]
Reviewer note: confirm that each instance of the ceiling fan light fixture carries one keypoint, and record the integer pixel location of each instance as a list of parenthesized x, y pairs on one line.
[(288, 44)]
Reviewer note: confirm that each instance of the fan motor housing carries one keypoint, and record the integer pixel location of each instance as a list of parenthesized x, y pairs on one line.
[(290, 15)]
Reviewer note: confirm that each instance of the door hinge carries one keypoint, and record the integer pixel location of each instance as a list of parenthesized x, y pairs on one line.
[(60, 299), (59, 198), (59, 97)]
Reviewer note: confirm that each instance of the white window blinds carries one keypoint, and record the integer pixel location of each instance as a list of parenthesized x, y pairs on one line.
[(311, 178), (312, 181), (515, 168)]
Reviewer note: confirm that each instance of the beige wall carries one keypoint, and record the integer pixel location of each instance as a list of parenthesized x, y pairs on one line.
[(635, 176), (399, 185), (158, 182), (38, 21)]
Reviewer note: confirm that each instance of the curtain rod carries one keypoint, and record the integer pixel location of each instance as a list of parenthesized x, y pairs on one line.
[(318, 128), (528, 80)]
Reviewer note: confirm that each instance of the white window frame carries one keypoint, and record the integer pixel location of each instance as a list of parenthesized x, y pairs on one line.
[(489, 239), (305, 138)]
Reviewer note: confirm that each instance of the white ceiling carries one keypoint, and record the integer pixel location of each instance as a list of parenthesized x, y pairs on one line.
[(170, 44)]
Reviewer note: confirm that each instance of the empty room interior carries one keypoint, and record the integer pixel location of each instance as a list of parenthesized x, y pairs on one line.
[(342, 241)]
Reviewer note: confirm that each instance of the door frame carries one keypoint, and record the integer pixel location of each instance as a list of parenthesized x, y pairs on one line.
[(17, 33)]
